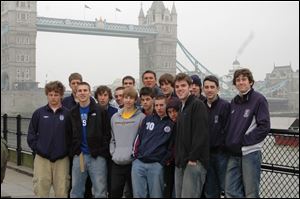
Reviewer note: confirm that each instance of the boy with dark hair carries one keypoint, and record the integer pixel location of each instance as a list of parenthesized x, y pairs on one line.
[(147, 100), (218, 114), (152, 151), (249, 126), (89, 135), (192, 141), (119, 97), (149, 80), (103, 95), (166, 84), (128, 81), (196, 88)]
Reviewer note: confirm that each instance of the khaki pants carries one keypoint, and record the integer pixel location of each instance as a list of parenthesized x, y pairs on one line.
[(48, 173)]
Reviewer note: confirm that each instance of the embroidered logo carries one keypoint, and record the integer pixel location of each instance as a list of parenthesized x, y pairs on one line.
[(61, 117), (46, 116), (247, 113), (216, 119), (167, 129)]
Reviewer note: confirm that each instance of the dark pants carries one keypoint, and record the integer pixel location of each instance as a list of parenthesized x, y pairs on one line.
[(169, 172), (120, 174)]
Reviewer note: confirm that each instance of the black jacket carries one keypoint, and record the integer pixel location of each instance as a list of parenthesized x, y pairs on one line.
[(98, 135), (192, 136)]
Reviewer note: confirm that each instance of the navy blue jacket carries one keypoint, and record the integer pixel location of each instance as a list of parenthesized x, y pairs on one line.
[(246, 110), (47, 133), (153, 141), (69, 102), (192, 133), (218, 117), (111, 111)]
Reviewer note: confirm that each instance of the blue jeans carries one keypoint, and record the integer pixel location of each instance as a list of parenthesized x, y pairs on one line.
[(97, 170), (189, 181), (243, 176), (215, 178), (147, 175)]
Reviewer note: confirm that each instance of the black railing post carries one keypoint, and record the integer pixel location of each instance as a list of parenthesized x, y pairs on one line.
[(19, 134), (5, 126)]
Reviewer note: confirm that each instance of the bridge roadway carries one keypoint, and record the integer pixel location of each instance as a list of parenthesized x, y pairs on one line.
[(97, 27)]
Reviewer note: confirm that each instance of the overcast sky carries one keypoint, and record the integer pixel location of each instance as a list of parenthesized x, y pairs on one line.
[(259, 34)]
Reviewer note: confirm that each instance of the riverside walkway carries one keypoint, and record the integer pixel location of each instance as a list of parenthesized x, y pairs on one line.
[(18, 182)]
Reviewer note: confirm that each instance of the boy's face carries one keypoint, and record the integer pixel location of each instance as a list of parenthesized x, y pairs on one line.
[(173, 113), (195, 90), (210, 89), (129, 102), (182, 89), (103, 98), (149, 80), (160, 107), (54, 98), (128, 83), (166, 88), (243, 84), (146, 102), (73, 85), (119, 97), (83, 93)]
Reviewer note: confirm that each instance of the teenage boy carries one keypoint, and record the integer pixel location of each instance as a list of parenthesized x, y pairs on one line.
[(124, 128), (218, 114), (48, 140), (89, 135), (249, 126), (192, 141), (152, 152)]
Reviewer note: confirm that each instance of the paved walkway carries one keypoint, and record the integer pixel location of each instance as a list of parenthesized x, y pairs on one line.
[(18, 182)]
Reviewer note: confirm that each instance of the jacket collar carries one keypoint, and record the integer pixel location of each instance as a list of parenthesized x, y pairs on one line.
[(189, 100), (214, 103), (49, 109), (240, 99)]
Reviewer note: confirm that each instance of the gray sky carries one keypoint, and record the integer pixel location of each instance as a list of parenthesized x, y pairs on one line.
[(214, 32)]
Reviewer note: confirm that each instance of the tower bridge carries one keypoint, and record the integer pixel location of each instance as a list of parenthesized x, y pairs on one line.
[(97, 27), (156, 32)]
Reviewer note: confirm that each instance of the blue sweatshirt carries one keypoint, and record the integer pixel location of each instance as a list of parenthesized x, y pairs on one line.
[(218, 117), (249, 123), (47, 133), (153, 141)]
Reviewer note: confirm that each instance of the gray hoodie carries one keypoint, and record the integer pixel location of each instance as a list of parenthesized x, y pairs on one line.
[(123, 133)]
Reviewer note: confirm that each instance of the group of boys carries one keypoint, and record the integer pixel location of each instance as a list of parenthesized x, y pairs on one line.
[(170, 141)]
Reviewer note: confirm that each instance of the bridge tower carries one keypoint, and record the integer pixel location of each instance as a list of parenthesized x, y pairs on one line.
[(18, 45), (158, 53)]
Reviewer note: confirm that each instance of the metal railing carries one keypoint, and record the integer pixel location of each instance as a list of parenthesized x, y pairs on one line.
[(280, 156)]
